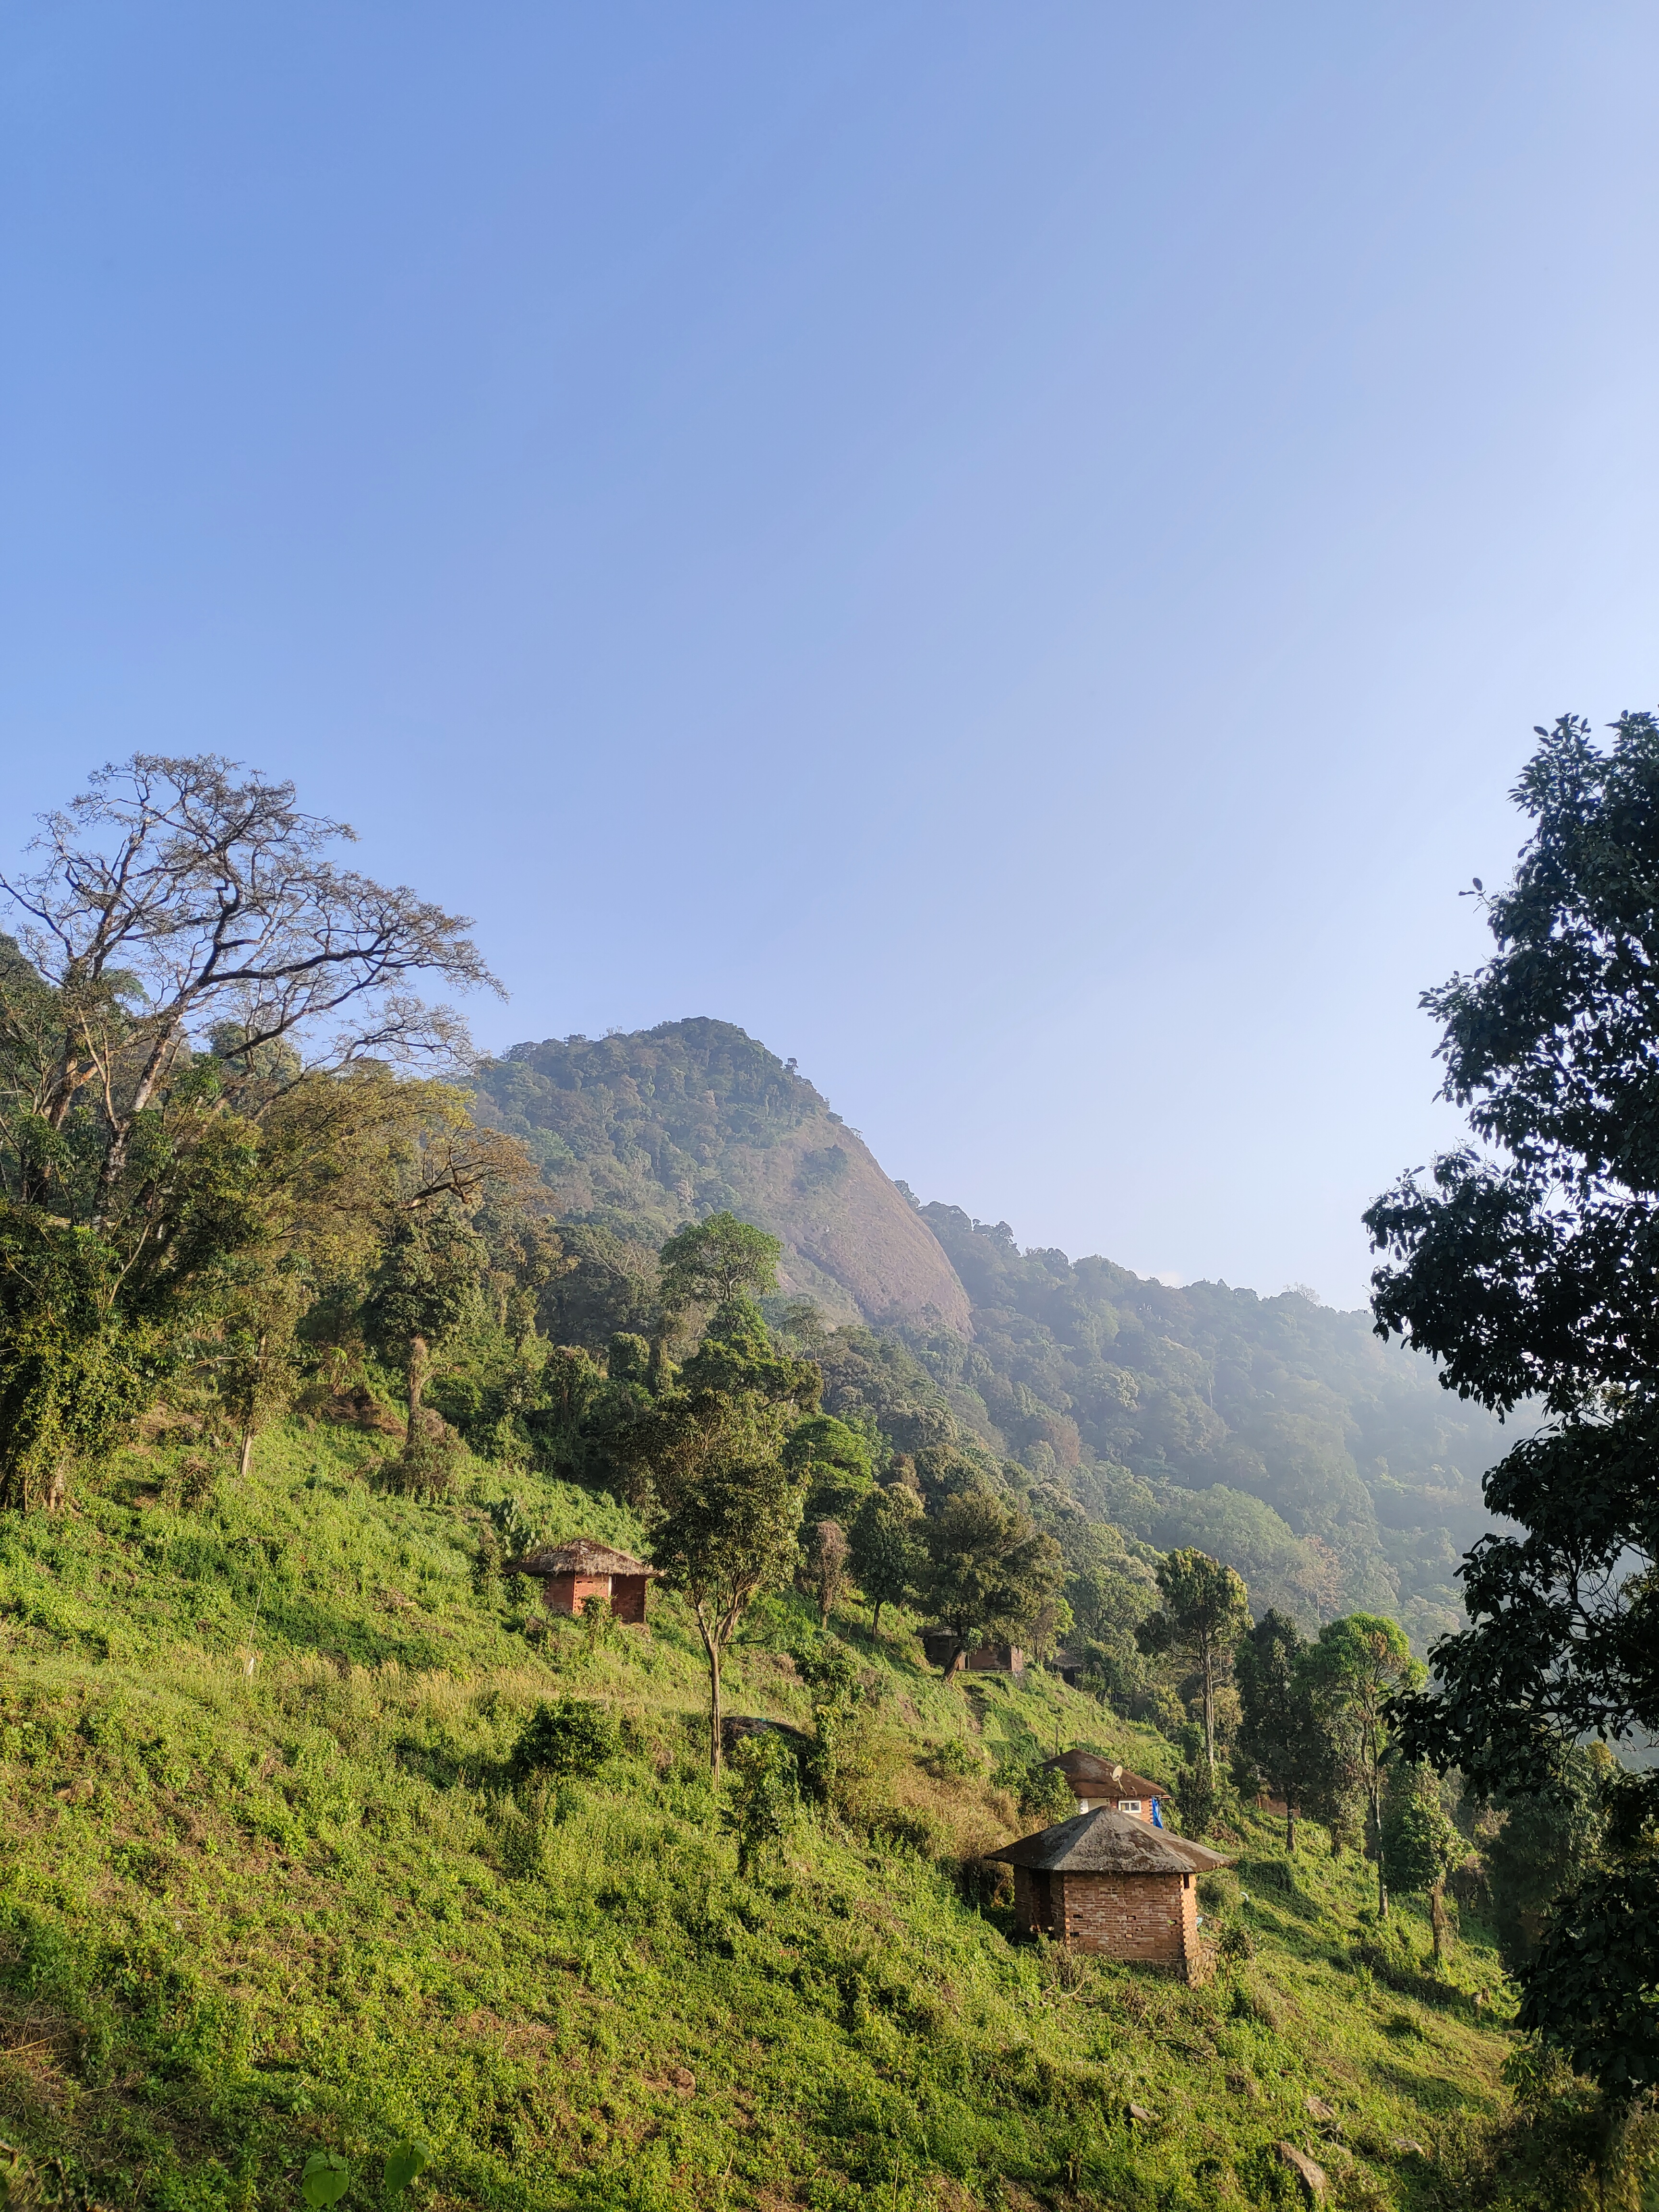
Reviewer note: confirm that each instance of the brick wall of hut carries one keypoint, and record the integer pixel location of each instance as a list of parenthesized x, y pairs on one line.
[(628, 1598), (569, 1593), (1148, 1919)]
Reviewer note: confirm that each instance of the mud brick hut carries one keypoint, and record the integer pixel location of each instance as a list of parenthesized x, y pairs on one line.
[(940, 1646), (571, 1573), (1096, 1780), (1108, 1881)]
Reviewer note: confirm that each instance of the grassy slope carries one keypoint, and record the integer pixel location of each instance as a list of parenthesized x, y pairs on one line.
[(246, 1913)]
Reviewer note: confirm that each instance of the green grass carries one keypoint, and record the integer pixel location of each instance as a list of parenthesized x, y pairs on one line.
[(267, 1888)]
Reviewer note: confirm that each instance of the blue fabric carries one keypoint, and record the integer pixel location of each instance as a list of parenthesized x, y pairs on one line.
[(1157, 1817)]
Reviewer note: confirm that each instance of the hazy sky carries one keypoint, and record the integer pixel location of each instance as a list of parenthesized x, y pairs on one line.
[(1013, 550)]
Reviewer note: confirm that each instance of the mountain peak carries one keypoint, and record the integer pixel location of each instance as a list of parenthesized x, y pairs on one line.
[(652, 1128)]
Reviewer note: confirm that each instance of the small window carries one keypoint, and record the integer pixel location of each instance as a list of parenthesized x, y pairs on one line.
[(1128, 1804)]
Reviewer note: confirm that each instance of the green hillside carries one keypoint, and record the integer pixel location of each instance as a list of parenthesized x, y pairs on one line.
[(273, 1886), (1332, 1470)]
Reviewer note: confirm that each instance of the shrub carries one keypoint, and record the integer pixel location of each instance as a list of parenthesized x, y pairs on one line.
[(955, 1759), (1043, 1793), (764, 1793), (428, 1466), (569, 1735), (1234, 1942), (1195, 1796)]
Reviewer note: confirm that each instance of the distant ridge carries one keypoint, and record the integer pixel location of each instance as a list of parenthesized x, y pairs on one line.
[(641, 1132)]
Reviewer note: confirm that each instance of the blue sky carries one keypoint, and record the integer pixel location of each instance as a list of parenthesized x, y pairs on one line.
[(1015, 551)]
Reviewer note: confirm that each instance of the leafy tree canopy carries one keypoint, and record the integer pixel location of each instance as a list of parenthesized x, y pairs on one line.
[(709, 1262), (1526, 1263)]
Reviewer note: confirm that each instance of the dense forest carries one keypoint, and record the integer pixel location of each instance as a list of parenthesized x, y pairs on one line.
[(342, 1864), (1328, 1468)]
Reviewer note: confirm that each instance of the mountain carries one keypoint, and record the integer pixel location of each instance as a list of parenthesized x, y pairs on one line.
[(638, 1134), (1330, 1468)]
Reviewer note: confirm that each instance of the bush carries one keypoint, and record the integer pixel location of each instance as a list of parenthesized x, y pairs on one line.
[(428, 1466), (764, 1786), (568, 1736), (1234, 1942), (955, 1759), (1043, 1793)]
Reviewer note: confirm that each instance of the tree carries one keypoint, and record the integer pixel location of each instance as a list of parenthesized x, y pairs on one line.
[(190, 966), (837, 1462), (884, 1552), (1282, 1731), (172, 902), (726, 1514), (1524, 1263), (824, 1564), (1197, 1797), (427, 1284), (1547, 1841), (707, 1262), (737, 1355), (1420, 1846), (1205, 1607), (1360, 1666), (985, 1570)]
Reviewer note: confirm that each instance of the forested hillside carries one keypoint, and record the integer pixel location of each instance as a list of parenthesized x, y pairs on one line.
[(1330, 1469), (331, 1851)]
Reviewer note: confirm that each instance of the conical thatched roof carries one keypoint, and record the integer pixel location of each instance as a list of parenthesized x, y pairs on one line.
[(580, 1556), (1107, 1841)]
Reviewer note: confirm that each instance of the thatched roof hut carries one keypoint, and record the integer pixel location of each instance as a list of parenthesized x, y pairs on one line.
[(1108, 1881), (572, 1572)]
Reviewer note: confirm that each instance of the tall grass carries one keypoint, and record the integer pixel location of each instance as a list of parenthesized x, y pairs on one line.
[(272, 1885)]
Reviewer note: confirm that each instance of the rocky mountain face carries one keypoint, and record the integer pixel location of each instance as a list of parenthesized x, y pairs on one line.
[(641, 1133)]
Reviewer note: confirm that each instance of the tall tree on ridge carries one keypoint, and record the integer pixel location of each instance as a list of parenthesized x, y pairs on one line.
[(186, 955), (1361, 1665), (726, 1514), (1529, 1268), (1205, 1607)]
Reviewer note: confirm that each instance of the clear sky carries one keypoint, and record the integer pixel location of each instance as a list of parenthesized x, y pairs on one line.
[(1013, 550)]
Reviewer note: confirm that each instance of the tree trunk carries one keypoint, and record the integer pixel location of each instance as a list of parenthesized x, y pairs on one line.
[(1437, 1919), (418, 1362), (115, 1158), (1209, 1705), (875, 1617), (714, 1651), (244, 1464)]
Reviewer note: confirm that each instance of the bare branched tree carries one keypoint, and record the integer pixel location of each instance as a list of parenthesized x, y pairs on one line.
[(183, 900)]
